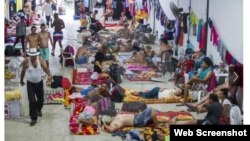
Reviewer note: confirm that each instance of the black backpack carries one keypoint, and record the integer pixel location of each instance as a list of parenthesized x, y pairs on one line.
[(117, 94), (57, 82), (9, 50), (115, 73), (106, 107)]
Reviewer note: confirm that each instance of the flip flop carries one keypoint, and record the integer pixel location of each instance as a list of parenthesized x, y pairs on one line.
[(189, 105), (191, 110)]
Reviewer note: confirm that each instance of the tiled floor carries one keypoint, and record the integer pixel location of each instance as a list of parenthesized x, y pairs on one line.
[(53, 126)]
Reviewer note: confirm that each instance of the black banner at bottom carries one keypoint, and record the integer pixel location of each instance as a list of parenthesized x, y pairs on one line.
[(178, 132)]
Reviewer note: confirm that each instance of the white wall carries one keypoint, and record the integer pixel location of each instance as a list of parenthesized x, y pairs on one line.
[(226, 15)]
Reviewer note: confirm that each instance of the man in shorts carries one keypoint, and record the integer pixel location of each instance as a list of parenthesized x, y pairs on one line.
[(148, 116), (58, 34), (44, 44), (214, 112)]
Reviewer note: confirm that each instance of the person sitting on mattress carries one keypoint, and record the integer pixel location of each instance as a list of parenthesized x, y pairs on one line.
[(229, 84), (202, 78), (214, 112), (98, 93), (93, 16), (123, 19), (138, 58), (163, 47), (124, 33), (146, 117), (83, 54), (99, 59), (109, 13)]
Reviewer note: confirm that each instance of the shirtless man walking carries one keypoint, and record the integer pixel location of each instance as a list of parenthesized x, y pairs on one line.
[(44, 44), (33, 38), (58, 34)]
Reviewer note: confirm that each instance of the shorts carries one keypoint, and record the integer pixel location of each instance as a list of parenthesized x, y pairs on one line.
[(82, 60), (44, 52), (203, 122), (143, 118), (57, 36)]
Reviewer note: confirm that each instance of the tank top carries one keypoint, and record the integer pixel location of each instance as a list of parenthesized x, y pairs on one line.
[(34, 75)]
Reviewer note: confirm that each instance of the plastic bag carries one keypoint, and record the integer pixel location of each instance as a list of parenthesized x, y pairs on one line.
[(94, 76)]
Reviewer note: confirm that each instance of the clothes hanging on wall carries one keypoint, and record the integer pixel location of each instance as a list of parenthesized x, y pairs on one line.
[(181, 37), (199, 30), (141, 9), (132, 9), (19, 5), (214, 36), (118, 10), (177, 31), (185, 22), (228, 57), (92, 5), (12, 7), (203, 37), (222, 50)]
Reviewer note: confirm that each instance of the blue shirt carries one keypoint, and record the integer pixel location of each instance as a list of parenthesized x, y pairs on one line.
[(203, 73)]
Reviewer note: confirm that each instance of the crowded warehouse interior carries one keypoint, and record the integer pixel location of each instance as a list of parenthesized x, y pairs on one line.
[(111, 70)]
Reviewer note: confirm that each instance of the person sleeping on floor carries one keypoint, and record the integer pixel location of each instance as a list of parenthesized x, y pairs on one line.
[(146, 117)]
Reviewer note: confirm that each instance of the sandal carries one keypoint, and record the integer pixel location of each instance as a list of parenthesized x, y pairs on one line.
[(191, 110)]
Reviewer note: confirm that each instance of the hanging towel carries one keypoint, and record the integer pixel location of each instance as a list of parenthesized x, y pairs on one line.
[(199, 30), (203, 37)]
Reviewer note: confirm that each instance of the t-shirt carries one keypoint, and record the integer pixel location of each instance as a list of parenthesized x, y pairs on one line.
[(214, 112), (20, 29), (226, 102), (47, 9), (167, 93)]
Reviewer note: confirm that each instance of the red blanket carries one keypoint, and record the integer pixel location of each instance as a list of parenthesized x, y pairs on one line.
[(74, 125), (83, 78), (111, 24)]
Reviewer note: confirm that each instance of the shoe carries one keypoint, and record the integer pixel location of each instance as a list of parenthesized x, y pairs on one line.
[(33, 122), (53, 54), (40, 114)]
